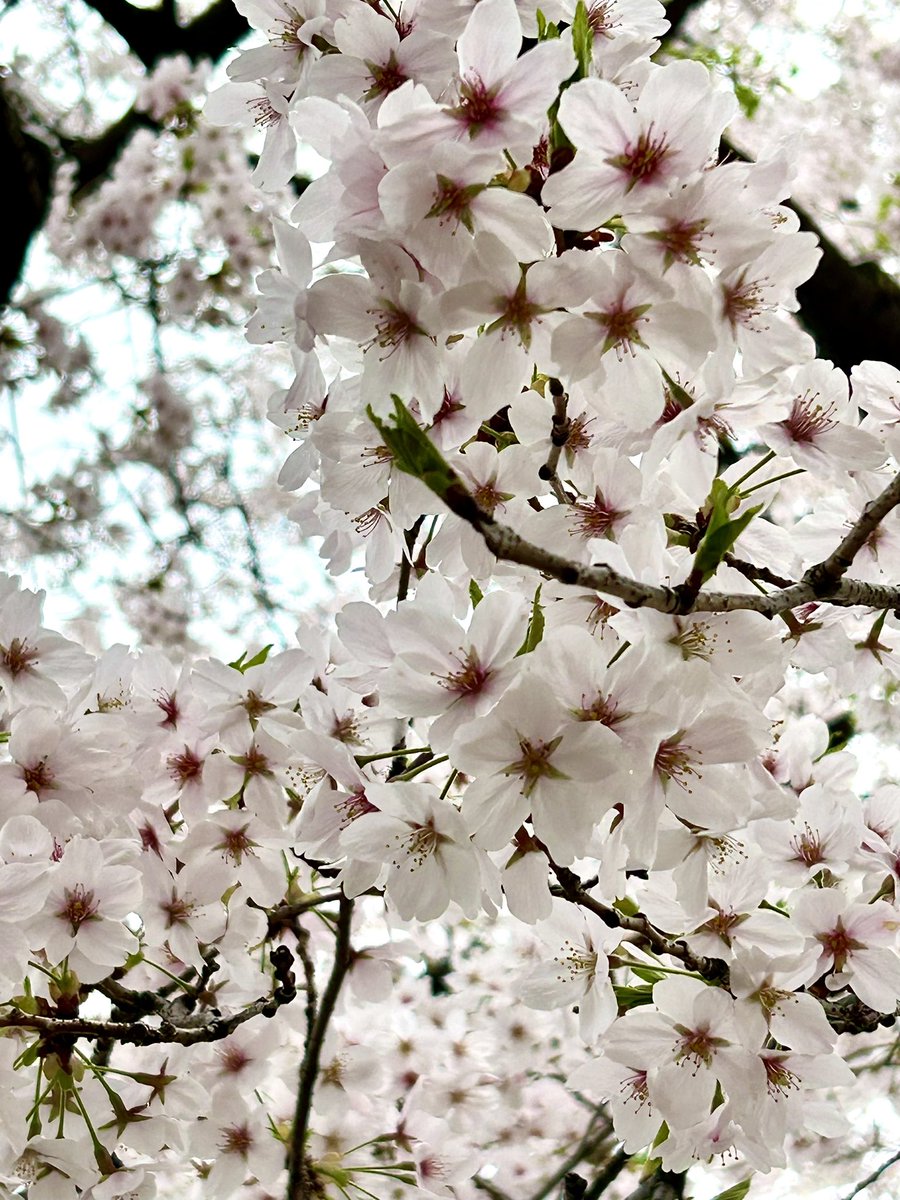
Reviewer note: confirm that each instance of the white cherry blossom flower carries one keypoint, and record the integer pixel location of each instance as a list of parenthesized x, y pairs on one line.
[(626, 151), (579, 972), (857, 944), (425, 842), (89, 897)]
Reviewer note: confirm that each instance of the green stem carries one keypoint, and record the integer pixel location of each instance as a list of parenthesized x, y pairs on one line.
[(414, 771), (363, 760), (766, 458), (774, 479), (449, 784)]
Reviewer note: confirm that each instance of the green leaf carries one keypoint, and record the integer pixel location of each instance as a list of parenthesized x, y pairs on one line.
[(680, 395), (721, 531), (476, 595), (647, 973), (546, 30), (256, 661), (582, 39), (736, 1192), (632, 997), (535, 630), (840, 730), (413, 453), (715, 546)]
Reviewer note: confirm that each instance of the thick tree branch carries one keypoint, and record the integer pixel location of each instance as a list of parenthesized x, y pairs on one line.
[(852, 310), (826, 574), (154, 33), (136, 1033), (28, 178), (819, 582), (608, 1175)]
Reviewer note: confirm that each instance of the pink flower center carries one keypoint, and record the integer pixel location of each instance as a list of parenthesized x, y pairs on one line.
[(185, 767), (233, 1059), (621, 325), (600, 20), (839, 944), (477, 105), (79, 906), (452, 201), (676, 762), (38, 777), (355, 805), (604, 709), (236, 1139), (255, 706), (535, 764), (236, 844), (386, 77), (807, 847), (254, 762), (263, 113), (634, 1089), (168, 704), (471, 677), (742, 303), (418, 846), (808, 420), (178, 909), (597, 518), (18, 656), (779, 1080), (697, 1046), (642, 160), (681, 240)]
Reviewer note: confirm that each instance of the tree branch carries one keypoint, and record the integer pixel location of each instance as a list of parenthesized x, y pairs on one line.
[(852, 310), (661, 1185), (301, 1185), (136, 1033), (826, 574), (592, 1140), (154, 33), (608, 1175), (819, 583), (571, 889), (876, 1175)]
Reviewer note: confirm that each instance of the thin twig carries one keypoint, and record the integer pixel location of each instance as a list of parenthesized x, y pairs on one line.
[(300, 1185), (283, 914), (559, 435), (592, 1140), (485, 1185), (571, 889), (309, 974), (876, 1174), (610, 1172)]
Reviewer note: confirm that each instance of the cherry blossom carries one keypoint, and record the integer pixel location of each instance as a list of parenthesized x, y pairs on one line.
[(572, 729)]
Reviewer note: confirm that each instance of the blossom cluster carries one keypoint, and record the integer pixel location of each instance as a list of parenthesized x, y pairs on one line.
[(527, 307)]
